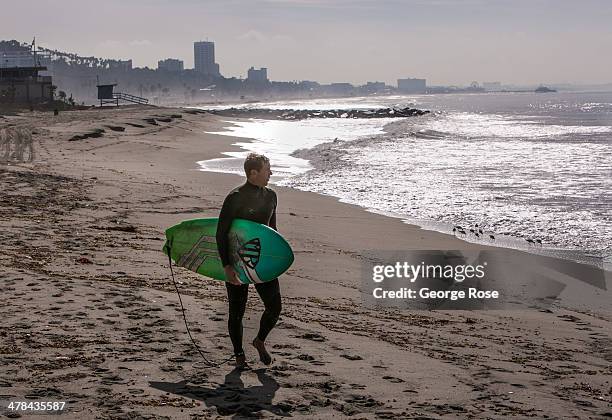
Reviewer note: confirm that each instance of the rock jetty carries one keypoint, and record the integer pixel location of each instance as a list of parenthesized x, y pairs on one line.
[(296, 114)]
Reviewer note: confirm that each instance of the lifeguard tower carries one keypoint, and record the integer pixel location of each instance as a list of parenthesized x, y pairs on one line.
[(107, 95)]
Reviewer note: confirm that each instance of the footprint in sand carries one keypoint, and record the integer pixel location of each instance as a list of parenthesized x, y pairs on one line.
[(393, 379), (305, 357), (312, 337), (285, 346), (136, 391), (351, 356), (569, 318)]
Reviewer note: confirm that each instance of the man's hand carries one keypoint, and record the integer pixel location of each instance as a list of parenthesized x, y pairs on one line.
[(230, 275)]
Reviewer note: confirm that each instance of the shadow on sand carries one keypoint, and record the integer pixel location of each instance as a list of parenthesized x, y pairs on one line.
[(231, 397)]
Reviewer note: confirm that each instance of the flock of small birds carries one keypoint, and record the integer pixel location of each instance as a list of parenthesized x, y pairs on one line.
[(479, 233)]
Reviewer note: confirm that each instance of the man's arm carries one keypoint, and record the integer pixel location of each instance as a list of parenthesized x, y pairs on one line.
[(226, 217), (272, 223)]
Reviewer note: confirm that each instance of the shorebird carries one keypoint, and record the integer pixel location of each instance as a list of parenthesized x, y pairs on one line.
[(458, 229)]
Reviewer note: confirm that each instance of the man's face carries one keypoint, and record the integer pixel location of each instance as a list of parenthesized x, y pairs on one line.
[(261, 177)]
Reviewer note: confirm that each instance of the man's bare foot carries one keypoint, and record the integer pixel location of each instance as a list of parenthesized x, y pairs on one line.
[(264, 356), (241, 362)]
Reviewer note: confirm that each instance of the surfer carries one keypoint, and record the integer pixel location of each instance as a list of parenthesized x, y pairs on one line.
[(256, 202)]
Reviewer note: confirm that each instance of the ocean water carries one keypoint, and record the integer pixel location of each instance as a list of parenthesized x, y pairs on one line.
[(279, 140), (520, 165)]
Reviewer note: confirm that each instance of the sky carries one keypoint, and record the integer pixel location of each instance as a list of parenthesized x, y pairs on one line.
[(444, 41)]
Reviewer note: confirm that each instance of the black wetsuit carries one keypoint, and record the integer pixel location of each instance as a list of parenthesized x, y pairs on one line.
[(257, 204)]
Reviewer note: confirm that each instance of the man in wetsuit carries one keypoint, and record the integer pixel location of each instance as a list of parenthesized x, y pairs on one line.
[(251, 201)]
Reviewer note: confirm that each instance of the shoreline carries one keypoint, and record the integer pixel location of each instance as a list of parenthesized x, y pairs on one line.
[(91, 316), (501, 241)]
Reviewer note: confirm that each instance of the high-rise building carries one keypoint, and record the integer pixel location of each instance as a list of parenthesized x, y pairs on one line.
[(204, 58), (170, 64)]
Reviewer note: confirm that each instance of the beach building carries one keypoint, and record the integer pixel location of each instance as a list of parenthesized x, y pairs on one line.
[(309, 85), (10, 59), (170, 64), (411, 85), (23, 79), (374, 87), (339, 88), (204, 58), (257, 76), (25, 85)]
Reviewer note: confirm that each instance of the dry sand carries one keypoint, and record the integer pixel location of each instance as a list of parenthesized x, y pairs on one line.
[(90, 315)]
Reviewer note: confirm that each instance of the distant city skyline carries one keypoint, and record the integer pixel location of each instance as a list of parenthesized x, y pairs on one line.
[(446, 42)]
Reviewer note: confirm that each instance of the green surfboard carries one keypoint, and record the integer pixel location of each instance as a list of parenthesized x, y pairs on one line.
[(257, 252)]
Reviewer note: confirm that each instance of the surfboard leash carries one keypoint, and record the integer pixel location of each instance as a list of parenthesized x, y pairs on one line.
[(208, 363)]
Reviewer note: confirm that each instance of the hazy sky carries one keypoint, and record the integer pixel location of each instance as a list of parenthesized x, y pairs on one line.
[(444, 41)]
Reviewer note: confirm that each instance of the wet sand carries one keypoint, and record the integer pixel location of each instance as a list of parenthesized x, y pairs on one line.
[(90, 315)]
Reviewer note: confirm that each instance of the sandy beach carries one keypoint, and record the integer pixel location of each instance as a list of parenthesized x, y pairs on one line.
[(91, 317)]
